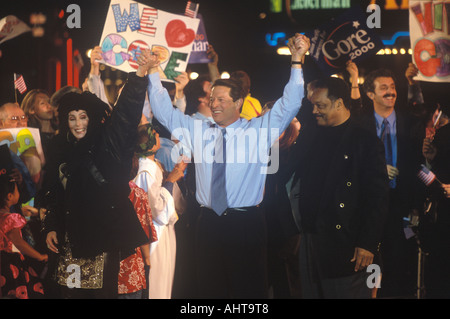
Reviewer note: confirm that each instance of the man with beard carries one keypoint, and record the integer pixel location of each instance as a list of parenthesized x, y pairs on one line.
[(400, 134)]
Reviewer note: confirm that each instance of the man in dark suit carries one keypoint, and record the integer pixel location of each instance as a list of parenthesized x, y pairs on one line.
[(339, 195), (401, 133)]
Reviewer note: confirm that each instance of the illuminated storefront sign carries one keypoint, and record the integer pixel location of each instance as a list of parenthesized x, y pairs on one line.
[(276, 6), (280, 38), (320, 4)]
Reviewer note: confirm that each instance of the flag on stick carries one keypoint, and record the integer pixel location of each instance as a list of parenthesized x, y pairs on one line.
[(191, 9), (427, 176), (19, 83)]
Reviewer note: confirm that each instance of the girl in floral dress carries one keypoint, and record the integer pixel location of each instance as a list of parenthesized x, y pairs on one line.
[(17, 279)]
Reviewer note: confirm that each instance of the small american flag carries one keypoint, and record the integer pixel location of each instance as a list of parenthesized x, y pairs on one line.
[(426, 176), (19, 83), (191, 9)]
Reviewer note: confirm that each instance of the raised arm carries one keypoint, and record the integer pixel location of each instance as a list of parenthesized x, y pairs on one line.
[(173, 119), (287, 107), (415, 95), (127, 112), (94, 81), (213, 67)]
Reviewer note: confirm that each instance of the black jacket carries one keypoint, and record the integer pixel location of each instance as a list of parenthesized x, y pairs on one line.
[(94, 209), (410, 134), (353, 197)]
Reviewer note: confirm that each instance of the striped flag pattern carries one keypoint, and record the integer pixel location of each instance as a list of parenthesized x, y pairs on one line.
[(19, 83), (426, 176), (148, 15), (134, 50), (191, 9)]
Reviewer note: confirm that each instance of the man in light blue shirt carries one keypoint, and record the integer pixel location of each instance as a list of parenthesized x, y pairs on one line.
[(231, 234)]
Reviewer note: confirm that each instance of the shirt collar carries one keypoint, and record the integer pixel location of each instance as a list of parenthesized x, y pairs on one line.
[(391, 119), (233, 126)]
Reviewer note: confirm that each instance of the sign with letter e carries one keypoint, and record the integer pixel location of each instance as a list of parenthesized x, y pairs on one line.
[(131, 27)]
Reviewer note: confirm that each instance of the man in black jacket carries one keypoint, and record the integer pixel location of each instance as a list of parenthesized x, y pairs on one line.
[(339, 193), (402, 135)]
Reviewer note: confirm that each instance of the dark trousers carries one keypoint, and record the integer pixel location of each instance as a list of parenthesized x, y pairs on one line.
[(398, 254), (314, 285), (231, 254)]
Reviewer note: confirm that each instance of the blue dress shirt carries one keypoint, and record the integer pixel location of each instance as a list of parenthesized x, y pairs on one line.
[(248, 142)]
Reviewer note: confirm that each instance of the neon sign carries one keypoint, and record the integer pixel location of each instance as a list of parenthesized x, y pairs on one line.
[(274, 39), (276, 6), (319, 4)]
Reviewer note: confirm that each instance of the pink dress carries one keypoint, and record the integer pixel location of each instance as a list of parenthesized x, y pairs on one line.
[(17, 278)]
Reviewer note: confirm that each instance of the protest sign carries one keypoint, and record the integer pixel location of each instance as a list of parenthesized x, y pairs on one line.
[(131, 27), (345, 38), (200, 45), (430, 39)]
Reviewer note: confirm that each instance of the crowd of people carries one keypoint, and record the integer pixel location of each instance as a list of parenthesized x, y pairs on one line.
[(204, 192)]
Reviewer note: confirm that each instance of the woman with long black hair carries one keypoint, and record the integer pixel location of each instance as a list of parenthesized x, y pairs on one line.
[(91, 224)]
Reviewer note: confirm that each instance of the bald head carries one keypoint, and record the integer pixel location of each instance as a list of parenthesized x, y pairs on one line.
[(11, 116)]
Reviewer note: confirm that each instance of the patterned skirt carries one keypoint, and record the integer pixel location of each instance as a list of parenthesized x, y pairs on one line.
[(18, 280)]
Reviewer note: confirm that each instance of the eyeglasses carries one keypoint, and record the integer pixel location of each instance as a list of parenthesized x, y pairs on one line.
[(21, 118)]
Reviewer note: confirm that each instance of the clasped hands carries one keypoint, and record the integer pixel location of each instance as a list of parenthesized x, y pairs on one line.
[(298, 45), (147, 60)]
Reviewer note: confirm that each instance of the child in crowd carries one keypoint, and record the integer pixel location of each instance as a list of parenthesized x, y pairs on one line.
[(150, 178), (17, 278)]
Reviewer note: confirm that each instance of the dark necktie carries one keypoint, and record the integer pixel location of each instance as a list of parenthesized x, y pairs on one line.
[(218, 188), (386, 139)]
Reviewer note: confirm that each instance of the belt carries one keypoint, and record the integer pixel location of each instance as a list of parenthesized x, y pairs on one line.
[(248, 209)]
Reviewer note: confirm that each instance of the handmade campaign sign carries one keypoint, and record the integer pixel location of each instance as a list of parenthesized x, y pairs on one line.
[(430, 39), (200, 45), (345, 38), (132, 27), (25, 142)]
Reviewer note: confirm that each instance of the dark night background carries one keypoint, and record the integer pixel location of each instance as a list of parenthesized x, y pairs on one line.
[(233, 27)]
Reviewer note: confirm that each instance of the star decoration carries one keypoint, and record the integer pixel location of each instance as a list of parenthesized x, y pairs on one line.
[(135, 53)]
